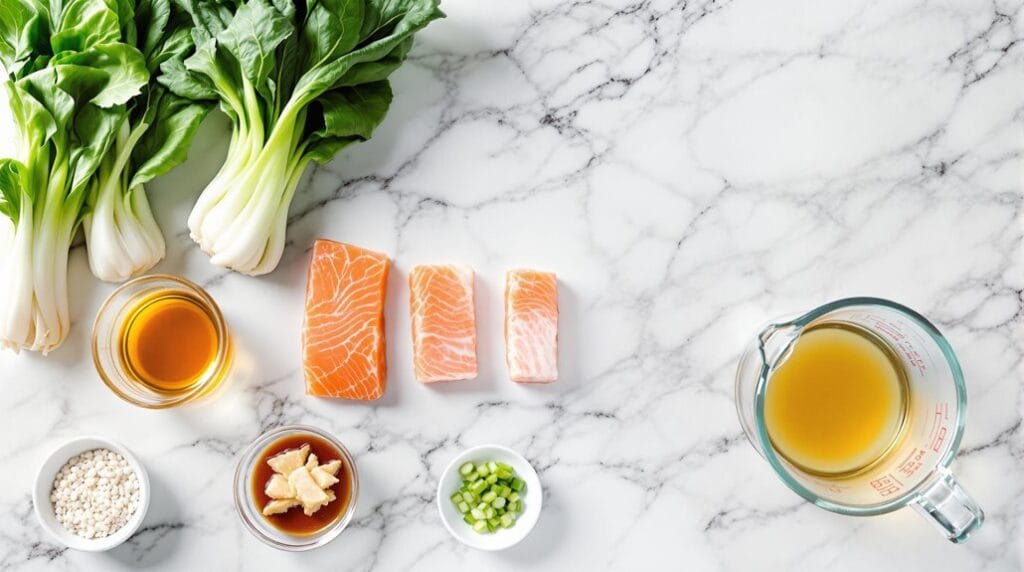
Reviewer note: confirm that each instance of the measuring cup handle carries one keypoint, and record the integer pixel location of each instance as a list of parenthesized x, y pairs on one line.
[(948, 505)]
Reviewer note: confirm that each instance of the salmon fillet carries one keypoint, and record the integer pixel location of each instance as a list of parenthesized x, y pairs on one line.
[(443, 323), (531, 325), (343, 349)]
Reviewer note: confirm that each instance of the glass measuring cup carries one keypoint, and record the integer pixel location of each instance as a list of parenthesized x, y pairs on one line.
[(916, 472)]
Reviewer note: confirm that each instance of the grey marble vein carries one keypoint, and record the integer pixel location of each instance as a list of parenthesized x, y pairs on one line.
[(690, 170)]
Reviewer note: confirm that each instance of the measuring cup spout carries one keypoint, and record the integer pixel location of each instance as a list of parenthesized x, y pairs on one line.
[(946, 504), (762, 353), (775, 341)]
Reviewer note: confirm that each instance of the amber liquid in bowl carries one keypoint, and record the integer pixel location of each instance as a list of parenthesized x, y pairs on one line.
[(168, 341), (160, 341), (294, 521)]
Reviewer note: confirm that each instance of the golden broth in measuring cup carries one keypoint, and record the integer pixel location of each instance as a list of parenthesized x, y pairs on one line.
[(859, 406), (838, 403)]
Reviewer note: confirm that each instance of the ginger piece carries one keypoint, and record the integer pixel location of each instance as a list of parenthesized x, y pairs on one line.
[(323, 479), (278, 487), (332, 467), (299, 479), (311, 496), (285, 463), (278, 506)]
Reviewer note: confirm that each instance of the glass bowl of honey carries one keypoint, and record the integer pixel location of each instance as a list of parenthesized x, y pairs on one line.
[(160, 341), (272, 480)]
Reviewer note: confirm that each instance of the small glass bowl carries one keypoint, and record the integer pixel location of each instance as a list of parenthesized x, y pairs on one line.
[(257, 524), (106, 343)]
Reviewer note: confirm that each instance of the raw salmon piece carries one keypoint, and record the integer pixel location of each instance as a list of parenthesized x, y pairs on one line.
[(531, 325), (343, 332), (443, 323)]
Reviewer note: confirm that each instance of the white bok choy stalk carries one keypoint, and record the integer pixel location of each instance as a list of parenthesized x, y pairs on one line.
[(68, 78), (121, 234), (300, 80)]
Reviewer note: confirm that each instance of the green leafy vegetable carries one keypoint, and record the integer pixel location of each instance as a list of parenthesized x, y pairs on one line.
[(122, 237), (300, 80), (68, 79)]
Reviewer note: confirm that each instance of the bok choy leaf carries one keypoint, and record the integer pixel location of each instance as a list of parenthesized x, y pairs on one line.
[(68, 78), (122, 236), (300, 80)]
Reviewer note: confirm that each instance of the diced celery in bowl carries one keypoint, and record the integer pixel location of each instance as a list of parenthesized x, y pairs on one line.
[(489, 497)]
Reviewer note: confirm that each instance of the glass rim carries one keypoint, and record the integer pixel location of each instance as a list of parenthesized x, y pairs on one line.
[(223, 350), (244, 469), (943, 463)]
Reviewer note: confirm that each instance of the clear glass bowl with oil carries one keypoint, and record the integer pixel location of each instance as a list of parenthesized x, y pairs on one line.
[(160, 341)]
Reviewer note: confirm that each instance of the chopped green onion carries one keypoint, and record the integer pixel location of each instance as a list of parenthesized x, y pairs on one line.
[(478, 487), (491, 495)]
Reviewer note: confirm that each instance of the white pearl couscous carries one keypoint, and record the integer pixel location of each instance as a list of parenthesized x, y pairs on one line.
[(95, 493)]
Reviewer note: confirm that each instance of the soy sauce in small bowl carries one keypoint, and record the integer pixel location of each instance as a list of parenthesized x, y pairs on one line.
[(294, 521), (293, 530)]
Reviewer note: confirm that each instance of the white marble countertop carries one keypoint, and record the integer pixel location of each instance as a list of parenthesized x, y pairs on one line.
[(689, 169)]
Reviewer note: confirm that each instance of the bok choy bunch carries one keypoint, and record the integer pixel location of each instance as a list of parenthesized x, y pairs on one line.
[(300, 80), (69, 75), (122, 237)]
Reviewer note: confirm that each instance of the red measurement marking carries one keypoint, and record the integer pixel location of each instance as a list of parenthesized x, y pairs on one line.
[(939, 431), (939, 440), (889, 328), (915, 360), (941, 413), (886, 485), (899, 339), (912, 463)]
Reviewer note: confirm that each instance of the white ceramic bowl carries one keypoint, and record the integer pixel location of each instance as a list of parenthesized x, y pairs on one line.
[(504, 537), (44, 485)]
